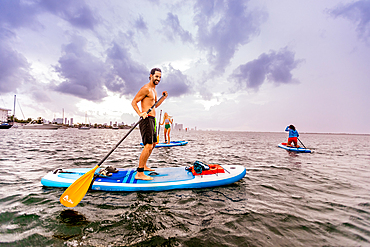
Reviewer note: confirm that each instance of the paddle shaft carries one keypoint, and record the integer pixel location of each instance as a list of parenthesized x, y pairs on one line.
[(301, 143), (123, 138), (159, 126)]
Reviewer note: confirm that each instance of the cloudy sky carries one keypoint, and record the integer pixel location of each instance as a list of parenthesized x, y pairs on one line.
[(246, 65)]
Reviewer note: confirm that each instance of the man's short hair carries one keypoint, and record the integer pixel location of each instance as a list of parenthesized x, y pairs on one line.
[(152, 72)]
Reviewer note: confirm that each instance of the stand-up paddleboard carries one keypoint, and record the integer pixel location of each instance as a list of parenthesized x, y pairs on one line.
[(294, 149), (171, 144), (170, 178)]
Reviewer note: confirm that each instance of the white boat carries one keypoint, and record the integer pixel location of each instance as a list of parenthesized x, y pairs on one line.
[(84, 127), (41, 126)]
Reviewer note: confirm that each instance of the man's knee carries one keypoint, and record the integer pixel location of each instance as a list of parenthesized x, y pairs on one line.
[(148, 146)]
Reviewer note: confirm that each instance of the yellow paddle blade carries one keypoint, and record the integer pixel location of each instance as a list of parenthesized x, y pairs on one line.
[(76, 191)]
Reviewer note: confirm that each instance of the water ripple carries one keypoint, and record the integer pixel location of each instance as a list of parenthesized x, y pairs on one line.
[(286, 199)]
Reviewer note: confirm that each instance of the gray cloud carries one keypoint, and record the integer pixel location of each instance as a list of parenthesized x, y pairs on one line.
[(84, 74), (88, 77), (174, 82), (14, 68), (141, 25), (173, 29), (130, 76), (77, 13), (275, 67), (223, 26), (359, 13), (16, 13)]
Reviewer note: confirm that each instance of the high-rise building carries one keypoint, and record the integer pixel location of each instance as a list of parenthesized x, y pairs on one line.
[(58, 120), (4, 115)]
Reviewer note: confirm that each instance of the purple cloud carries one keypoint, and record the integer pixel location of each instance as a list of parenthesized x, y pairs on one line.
[(141, 25), (174, 82), (275, 67), (15, 14), (359, 13), (173, 29), (14, 69), (77, 13), (223, 26), (84, 74), (129, 76)]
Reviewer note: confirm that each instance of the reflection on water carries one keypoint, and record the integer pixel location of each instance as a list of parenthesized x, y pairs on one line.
[(72, 218), (286, 199)]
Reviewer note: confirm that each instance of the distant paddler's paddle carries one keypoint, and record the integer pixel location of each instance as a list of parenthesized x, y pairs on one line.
[(76, 191), (301, 143), (159, 127)]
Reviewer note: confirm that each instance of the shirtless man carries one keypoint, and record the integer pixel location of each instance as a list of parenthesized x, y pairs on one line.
[(147, 95)]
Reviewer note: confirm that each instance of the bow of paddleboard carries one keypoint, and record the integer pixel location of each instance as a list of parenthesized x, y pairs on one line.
[(294, 149), (164, 178), (171, 144)]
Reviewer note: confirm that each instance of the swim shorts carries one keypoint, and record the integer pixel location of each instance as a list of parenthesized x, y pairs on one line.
[(294, 140), (148, 130), (167, 126)]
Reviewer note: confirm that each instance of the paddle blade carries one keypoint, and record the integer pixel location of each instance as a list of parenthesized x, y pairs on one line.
[(76, 191)]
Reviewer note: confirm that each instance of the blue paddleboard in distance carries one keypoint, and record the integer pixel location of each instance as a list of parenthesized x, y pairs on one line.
[(169, 178), (294, 149), (171, 144)]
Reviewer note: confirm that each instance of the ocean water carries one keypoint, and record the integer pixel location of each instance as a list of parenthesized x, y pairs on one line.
[(285, 199)]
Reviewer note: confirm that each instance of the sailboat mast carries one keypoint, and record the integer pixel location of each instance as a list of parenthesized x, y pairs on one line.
[(14, 108)]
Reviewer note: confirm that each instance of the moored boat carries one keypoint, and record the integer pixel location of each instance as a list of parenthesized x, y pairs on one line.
[(5, 126), (41, 126)]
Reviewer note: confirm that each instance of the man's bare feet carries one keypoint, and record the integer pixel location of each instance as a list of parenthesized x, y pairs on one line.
[(148, 169), (142, 176)]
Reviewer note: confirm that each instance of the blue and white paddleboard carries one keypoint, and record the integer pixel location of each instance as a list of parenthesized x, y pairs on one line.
[(294, 149), (170, 178), (171, 144)]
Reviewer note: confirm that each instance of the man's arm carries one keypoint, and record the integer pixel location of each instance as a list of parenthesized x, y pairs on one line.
[(160, 102), (143, 92)]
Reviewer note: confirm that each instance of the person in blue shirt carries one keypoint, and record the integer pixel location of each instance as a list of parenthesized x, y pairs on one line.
[(293, 136)]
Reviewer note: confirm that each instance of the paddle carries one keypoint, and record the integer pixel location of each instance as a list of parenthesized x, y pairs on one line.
[(159, 127), (76, 191), (301, 143)]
